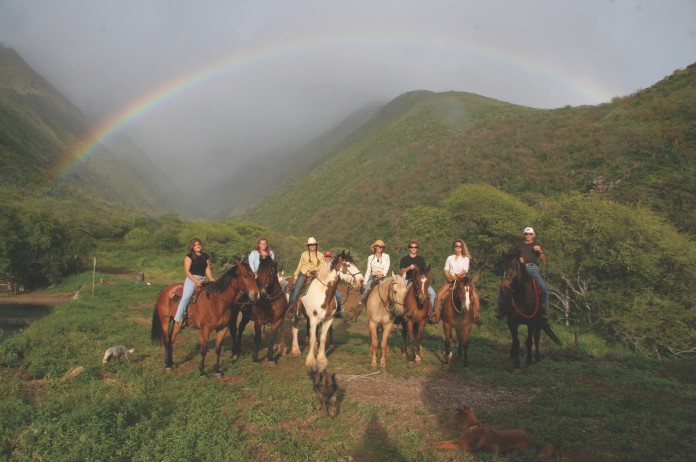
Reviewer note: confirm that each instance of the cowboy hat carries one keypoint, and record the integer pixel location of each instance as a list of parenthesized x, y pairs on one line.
[(378, 242), (311, 241)]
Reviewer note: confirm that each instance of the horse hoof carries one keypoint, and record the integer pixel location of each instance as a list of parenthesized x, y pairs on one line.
[(168, 369), (418, 359), (271, 364), (218, 375), (235, 357)]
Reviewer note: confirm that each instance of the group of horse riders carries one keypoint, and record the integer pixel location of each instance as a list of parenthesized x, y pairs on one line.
[(529, 253)]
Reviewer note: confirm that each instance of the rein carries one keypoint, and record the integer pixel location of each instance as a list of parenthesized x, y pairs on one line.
[(454, 305), (536, 307), (389, 303)]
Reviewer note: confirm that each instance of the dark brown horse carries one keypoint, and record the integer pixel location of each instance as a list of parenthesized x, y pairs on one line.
[(417, 306), (211, 312), (521, 303), (271, 308), (458, 309)]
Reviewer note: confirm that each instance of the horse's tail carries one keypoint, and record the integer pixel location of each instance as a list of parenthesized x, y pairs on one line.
[(156, 334), (546, 328)]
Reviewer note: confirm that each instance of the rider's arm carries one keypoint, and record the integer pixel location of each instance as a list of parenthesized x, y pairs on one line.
[(187, 270), (208, 271), (299, 265)]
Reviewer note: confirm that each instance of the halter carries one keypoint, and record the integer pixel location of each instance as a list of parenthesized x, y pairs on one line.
[(536, 307), (389, 303), (454, 305)]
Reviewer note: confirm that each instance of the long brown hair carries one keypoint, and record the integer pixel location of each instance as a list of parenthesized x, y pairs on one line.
[(192, 242), (258, 245)]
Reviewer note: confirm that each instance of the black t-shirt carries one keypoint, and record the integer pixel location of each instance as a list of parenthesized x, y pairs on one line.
[(408, 260), (199, 263), (527, 252)]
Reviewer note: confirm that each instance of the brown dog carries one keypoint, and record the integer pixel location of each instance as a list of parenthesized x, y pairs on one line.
[(476, 438), (325, 386)]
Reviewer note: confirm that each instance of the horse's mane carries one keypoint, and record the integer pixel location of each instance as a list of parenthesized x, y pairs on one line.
[(225, 280)]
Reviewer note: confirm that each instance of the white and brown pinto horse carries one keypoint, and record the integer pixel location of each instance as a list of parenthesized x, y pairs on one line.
[(318, 304), (384, 303)]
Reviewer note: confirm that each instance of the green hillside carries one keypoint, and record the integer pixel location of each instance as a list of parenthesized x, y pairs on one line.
[(38, 130), (638, 149)]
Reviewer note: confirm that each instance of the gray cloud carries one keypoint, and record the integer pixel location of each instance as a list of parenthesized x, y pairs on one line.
[(295, 68)]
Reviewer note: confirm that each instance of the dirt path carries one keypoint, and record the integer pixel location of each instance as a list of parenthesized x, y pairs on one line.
[(35, 298)]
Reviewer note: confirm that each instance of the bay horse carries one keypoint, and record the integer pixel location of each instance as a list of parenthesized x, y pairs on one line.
[(521, 305), (384, 303), (458, 309), (212, 311), (318, 304), (270, 308), (417, 304)]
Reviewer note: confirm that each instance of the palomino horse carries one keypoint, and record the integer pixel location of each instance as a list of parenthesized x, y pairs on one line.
[(212, 311), (319, 305), (383, 304), (418, 305), (270, 308), (458, 309), (521, 303)]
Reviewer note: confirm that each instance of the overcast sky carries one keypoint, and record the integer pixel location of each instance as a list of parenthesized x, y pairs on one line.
[(237, 79)]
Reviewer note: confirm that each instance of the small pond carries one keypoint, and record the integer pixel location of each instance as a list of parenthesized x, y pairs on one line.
[(14, 317)]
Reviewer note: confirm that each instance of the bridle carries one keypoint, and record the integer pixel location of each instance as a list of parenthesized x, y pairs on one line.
[(389, 303)]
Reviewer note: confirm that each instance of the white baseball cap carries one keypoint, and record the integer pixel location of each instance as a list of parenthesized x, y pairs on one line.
[(529, 230)]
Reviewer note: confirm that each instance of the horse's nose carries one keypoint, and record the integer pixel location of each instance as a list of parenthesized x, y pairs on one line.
[(254, 295)]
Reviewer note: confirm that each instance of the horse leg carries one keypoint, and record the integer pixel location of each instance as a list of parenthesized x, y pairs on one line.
[(169, 338), (411, 352), (372, 326), (515, 350), (276, 329), (537, 337), (404, 337), (447, 329), (219, 337), (529, 342), (237, 345), (325, 329), (385, 344), (463, 339), (258, 327), (311, 360), (295, 333), (419, 339), (205, 333)]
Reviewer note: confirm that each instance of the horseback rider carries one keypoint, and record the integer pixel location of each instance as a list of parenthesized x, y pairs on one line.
[(310, 262), (456, 267), (529, 252), (197, 268), (411, 261), (377, 268), (262, 251), (327, 261)]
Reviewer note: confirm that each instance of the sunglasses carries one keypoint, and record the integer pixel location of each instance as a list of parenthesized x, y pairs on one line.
[(529, 234), (413, 247), (380, 246), (457, 247)]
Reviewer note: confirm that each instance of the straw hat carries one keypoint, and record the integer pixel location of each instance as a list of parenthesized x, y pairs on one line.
[(378, 242), (311, 241)]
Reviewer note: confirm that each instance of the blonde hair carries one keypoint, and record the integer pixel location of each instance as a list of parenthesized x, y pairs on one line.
[(465, 249)]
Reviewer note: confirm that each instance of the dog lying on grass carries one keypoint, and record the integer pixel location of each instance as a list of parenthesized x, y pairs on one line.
[(116, 352), (474, 438), (325, 386)]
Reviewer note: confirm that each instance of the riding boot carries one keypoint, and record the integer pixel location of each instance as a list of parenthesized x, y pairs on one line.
[(434, 317), (544, 312), (338, 314)]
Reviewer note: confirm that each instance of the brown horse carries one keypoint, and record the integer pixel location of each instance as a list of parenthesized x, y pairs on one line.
[(271, 308), (417, 305), (521, 302), (211, 311), (458, 309)]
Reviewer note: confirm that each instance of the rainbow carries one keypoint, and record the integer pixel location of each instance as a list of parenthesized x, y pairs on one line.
[(185, 83)]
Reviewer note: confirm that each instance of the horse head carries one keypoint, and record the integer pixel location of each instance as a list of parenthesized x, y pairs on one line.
[(267, 274), (397, 293), (421, 281), (245, 280), (347, 270), (510, 269)]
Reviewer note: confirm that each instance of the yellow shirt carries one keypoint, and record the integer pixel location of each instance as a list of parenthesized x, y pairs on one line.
[(305, 265)]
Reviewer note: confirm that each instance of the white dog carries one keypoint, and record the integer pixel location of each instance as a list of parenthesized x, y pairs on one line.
[(116, 352)]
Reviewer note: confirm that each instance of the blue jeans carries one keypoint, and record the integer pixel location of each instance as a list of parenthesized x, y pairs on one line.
[(373, 280), (298, 286), (533, 271), (189, 287)]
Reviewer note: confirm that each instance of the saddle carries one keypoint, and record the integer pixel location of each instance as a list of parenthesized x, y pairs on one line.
[(178, 291), (294, 308)]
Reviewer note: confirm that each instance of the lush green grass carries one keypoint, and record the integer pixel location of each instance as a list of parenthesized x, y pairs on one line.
[(592, 403)]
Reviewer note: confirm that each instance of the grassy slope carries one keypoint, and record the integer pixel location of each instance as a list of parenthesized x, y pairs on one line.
[(592, 402), (422, 145)]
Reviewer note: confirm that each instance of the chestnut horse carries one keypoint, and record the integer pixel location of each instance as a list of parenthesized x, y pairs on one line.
[(384, 303), (458, 308), (417, 304), (212, 311), (271, 308), (521, 303)]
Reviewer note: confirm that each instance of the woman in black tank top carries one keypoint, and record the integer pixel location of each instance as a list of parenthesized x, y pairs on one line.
[(197, 268)]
